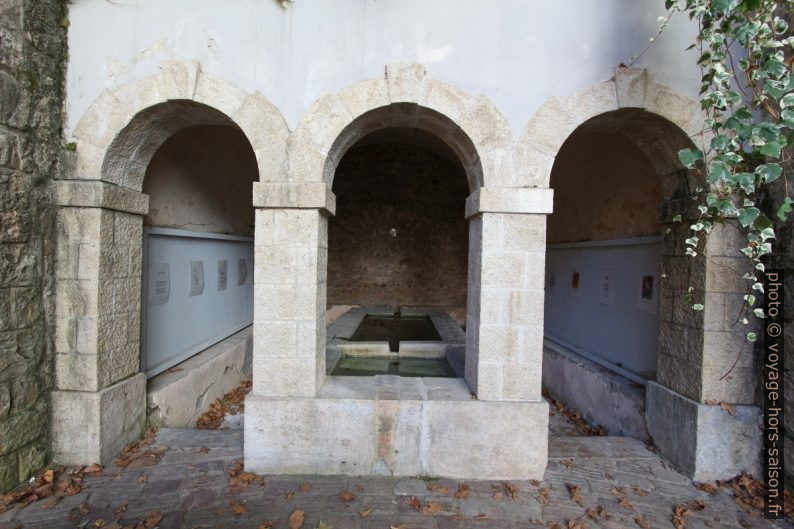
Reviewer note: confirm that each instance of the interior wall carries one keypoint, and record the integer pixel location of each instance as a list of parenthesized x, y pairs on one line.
[(200, 180), (604, 188), (399, 236)]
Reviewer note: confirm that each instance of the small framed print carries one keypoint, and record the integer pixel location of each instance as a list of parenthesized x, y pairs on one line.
[(242, 271), (576, 283), (196, 278), (648, 292), (606, 287)]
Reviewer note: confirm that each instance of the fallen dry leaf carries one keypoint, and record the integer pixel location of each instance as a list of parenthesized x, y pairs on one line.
[(414, 502), (568, 463), (463, 492), (305, 487), (728, 408), (267, 525), (639, 491), (679, 514), (432, 508), (347, 496), (93, 469), (152, 519), (642, 522), (296, 519), (575, 495), (232, 403), (707, 488), (543, 497), (237, 507), (365, 513)]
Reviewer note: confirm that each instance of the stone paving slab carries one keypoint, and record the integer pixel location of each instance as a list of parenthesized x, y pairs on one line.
[(190, 486)]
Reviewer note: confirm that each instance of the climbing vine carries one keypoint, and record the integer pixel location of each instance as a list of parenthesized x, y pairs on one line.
[(747, 94)]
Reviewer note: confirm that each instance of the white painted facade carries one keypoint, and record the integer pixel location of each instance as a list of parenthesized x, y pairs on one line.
[(518, 53)]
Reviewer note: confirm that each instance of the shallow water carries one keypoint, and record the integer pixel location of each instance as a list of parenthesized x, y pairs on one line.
[(363, 366)]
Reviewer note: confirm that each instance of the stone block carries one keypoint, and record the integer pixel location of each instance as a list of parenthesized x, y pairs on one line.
[(486, 126), (462, 439), (177, 398), (524, 232), (365, 96), (93, 427), (704, 441), (294, 195), (600, 396), (509, 200), (98, 194), (445, 99), (283, 377), (405, 82)]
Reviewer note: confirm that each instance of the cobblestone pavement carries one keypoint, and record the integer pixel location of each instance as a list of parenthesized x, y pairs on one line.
[(620, 483)]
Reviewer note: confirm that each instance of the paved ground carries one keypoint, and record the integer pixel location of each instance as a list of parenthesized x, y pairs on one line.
[(196, 482)]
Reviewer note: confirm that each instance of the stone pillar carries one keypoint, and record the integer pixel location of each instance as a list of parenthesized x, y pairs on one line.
[(290, 267), (696, 348), (99, 404), (507, 245)]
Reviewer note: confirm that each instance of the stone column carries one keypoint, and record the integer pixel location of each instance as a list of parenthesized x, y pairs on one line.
[(696, 348), (507, 245), (99, 404), (290, 267)]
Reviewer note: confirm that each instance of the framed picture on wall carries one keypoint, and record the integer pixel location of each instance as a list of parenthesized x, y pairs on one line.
[(648, 292), (576, 284), (606, 287)]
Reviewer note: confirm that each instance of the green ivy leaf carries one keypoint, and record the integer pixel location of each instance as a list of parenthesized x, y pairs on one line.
[(698, 306), (689, 157), (750, 299), (751, 337), (787, 101), (748, 215), (762, 222), (771, 149), (769, 171), (785, 209)]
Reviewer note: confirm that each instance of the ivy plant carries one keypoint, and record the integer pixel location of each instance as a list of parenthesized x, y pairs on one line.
[(747, 94)]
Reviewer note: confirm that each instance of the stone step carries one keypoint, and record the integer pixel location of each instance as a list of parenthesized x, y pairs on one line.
[(187, 438), (598, 448)]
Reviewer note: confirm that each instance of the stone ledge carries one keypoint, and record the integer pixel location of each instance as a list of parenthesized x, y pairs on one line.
[(176, 398), (456, 439), (510, 200), (295, 195), (99, 194), (601, 396), (704, 441), (94, 427)]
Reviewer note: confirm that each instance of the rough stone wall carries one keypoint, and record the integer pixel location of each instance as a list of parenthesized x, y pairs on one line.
[(419, 194), (32, 63), (604, 188), (200, 180)]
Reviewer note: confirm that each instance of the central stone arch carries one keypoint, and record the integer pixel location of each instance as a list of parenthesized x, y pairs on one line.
[(505, 300)]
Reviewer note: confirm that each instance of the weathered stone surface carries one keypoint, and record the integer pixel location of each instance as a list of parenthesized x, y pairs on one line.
[(704, 441), (178, 398), (396, 437), (32, 61), (95, 426), (601, 397)]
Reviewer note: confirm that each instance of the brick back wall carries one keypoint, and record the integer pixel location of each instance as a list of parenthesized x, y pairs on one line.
[(32, 62), (420, 194)]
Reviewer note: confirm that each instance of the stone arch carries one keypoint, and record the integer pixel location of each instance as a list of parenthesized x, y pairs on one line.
[(99, 249), (557, 118), (134, 119), (472, 126)]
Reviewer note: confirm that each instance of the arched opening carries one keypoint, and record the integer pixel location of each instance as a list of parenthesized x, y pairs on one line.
[(617, 186), (197, 168), (398, 247)]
